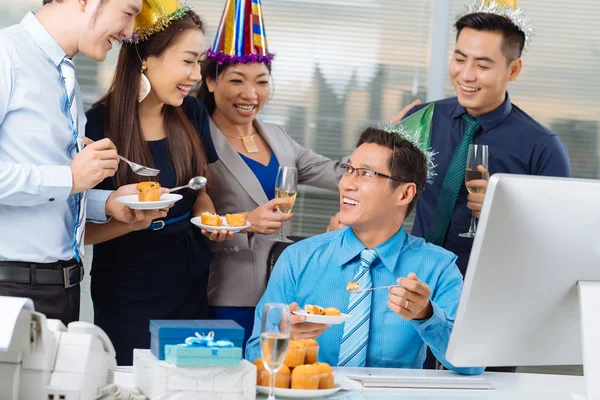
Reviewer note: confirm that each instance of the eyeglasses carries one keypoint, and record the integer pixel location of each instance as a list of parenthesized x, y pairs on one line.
[(366, 173)]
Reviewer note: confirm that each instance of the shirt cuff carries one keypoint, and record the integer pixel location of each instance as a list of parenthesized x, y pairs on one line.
[(96, 205), (438, 318), (57, 182)]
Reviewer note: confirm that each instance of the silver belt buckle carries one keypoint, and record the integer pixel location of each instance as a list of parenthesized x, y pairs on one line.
[(67, 274), (162, 222)]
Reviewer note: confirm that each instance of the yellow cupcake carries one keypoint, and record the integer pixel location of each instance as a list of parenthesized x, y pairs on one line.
[(282, 377), (295, 354), (305, 377), (327, 379), (312, 351)]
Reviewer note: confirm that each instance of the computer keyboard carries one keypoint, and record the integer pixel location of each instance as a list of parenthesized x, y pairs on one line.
[(423, 382)]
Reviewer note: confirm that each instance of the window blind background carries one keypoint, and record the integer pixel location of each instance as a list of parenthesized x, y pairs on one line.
[(344, 65)]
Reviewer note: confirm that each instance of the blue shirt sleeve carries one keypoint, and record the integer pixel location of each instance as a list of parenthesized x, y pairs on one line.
[(550, 157), (280, 289), (435, 331)]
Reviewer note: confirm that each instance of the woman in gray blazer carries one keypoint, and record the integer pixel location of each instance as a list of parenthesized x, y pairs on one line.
[(243, 180)]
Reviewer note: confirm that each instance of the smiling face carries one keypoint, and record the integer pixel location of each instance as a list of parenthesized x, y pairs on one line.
[(367, 201), (173, 73), (480, 72), (106, 21), (240, 92)]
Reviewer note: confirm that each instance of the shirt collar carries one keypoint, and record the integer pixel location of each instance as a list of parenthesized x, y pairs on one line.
[(43, 39), (490, 120), (388, 252)]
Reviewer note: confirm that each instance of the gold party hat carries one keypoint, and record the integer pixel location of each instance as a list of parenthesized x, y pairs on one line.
[(156, 15)]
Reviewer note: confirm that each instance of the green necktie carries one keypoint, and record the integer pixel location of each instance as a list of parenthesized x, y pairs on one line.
[(453, 181)]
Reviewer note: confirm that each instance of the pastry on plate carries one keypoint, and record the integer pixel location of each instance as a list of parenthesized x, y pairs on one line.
[(295, 354), (236, 219), (327, 379), (305, 377), (211, 219), (312, 351), (148, 191), (331, 312), (315, 310)]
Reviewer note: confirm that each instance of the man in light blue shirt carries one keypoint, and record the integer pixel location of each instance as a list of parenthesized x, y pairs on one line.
[(45, 173), (389, 328)]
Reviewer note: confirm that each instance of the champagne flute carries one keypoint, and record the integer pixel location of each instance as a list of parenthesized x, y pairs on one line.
[(274, 339), (477, 169), (285, 188)]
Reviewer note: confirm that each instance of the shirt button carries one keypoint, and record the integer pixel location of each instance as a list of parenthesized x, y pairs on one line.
[(51, 199)]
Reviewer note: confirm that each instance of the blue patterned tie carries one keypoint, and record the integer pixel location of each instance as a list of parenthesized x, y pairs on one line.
[(67, 70), (453, 181), (353, 350)]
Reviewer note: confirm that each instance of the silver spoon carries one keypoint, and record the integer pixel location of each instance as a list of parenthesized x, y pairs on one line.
[(196, 183)]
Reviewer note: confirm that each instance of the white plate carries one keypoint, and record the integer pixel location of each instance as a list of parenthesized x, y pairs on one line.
[(165, 201), (323, 319), (298, 393), (198, 222)]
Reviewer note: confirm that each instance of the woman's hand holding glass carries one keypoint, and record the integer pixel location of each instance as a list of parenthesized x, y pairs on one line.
[(266, 220)]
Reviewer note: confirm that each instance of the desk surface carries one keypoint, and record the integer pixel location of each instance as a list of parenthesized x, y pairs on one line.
[(506, 386)]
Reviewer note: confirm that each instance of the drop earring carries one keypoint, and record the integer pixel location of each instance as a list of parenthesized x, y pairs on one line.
[(144, 85)]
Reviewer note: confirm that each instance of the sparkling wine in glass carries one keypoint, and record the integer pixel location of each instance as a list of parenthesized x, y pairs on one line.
[(286, 186), (274, 339), (477, 169)]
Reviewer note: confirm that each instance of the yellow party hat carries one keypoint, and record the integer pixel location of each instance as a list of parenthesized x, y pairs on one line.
[(156, 15)]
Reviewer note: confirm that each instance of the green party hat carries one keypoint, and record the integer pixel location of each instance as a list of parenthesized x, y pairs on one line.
[(416, 128)]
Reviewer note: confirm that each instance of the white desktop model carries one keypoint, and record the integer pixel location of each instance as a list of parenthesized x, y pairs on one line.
[(532, 289)]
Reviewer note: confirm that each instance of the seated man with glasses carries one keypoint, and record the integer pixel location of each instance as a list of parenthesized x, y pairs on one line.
[(421, 283)]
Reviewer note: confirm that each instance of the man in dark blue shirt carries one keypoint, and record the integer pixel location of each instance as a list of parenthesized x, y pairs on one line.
[(487, 57)]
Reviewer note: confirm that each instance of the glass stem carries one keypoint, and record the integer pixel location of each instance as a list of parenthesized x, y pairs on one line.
[(272, 387), (473, 227), (281, 235)]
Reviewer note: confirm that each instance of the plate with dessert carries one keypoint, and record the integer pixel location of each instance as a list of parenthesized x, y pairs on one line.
[(230, 222), (301, 376), (322, 315), (149, 197)]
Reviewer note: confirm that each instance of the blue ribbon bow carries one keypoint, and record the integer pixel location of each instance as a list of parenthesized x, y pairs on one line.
[(207, 341)]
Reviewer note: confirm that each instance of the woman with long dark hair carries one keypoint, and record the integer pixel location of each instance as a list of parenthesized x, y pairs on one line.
[(154, 269)]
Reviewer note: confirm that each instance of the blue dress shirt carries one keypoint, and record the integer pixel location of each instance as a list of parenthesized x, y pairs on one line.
[(37, 211), (316, 271), (517, 145)]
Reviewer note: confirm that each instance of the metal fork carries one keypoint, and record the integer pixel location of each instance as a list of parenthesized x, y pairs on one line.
[(136, 168), (140, 169), (368, 290)]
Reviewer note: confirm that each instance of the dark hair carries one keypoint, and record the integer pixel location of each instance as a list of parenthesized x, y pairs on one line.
[(122, 120), (212, 69), (513, 38), (406, 162)]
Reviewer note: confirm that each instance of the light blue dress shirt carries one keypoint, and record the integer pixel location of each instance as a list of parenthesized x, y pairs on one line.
[(317, 270), (37, 211)]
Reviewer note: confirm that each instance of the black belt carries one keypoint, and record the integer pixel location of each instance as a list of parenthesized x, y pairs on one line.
[(66, 274)]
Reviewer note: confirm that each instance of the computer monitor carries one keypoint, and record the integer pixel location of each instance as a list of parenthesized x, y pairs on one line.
[(526, 298)]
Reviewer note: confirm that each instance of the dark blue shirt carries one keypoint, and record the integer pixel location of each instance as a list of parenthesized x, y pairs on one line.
[(266, 174), (517, 144)]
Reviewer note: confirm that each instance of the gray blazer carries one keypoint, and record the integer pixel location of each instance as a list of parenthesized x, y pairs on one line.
[(238, 273)]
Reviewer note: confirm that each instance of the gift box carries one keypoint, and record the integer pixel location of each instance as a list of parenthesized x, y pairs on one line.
[(174, 332), (159, 380), (185, 356)]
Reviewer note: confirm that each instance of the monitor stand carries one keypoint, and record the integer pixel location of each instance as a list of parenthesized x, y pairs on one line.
[(589, 305)]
